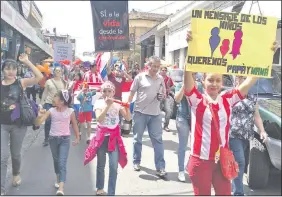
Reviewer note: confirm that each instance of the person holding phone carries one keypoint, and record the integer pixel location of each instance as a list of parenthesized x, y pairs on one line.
[(150, 89)]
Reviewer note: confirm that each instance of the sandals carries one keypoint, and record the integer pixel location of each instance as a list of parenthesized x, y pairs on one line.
[(16, 181), (60, 193), (103, 193)]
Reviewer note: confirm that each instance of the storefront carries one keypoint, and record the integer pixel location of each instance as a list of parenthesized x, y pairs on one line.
[(11, 40), (20, 36)]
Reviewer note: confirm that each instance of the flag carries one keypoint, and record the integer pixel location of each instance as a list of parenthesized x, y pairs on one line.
[(101, 61)]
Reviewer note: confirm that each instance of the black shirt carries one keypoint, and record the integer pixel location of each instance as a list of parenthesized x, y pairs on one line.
[(10, 95)]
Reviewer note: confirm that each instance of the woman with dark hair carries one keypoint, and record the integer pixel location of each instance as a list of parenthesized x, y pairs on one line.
[(245, 115), (52, 87), (12, 132), (210, 123)]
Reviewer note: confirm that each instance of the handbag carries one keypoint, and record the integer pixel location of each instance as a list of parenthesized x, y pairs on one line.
[(229, 167), (27, 113)]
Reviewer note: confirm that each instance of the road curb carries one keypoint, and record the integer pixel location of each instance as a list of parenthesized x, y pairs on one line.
[(29, 139)]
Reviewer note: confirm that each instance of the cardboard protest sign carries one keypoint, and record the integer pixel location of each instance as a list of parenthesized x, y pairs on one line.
[(231, 43), (62, 51), (110, 25)]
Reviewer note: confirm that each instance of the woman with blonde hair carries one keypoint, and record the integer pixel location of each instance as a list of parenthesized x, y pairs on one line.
[(52, 87), (210, 116)]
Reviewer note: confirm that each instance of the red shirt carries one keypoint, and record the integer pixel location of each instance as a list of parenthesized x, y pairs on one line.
[(118, 82), (168, 83), (76, 85), (204, 142)]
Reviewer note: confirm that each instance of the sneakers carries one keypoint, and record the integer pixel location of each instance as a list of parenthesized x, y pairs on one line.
[(56, 185), (181, 176), (161, 172), (136, 167)]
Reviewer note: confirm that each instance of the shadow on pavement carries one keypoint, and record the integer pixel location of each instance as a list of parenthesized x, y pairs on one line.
[(152, 176)]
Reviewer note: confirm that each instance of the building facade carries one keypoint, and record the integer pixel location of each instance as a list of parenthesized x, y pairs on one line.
[(167, 40), (19, 35), (139, 23)]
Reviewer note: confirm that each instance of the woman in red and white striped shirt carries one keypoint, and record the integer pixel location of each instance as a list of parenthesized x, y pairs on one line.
[(202, 167)]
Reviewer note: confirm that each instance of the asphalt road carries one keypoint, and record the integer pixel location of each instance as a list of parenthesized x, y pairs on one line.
[(38, 175)]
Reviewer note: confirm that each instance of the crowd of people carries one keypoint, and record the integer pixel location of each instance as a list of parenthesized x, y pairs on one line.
[(203, 110)]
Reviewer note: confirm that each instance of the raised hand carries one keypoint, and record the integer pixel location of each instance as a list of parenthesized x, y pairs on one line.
[(23, 58)]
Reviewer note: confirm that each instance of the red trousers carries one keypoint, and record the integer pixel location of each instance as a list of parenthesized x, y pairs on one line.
[(203, 174)]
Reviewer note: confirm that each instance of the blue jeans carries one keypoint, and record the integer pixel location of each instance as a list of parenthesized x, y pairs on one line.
[(47, 125), (60, 146), (154, 124), (101, 162), (238, 147), (183, 129)]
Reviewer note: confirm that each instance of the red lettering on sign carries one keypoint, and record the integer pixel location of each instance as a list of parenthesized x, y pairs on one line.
[(111, 23)]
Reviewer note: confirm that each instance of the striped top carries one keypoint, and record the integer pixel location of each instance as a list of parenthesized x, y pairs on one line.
[(204, 142)]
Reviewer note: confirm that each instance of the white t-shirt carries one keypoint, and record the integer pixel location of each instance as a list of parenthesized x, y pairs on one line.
[(112, 117)]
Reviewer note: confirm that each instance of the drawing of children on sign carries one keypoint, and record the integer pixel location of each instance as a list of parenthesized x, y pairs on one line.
[(237, 42), (224, 47), (214, 39)]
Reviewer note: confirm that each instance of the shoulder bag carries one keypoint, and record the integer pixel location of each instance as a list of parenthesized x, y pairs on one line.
[(229, 167), (27, 114)]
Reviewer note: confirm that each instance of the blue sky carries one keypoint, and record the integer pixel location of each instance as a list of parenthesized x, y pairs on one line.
[(74, 17)]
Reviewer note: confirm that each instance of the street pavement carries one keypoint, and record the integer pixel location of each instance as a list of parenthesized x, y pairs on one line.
[(38, 175)]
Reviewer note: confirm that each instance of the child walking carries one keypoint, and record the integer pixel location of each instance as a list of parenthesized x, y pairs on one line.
[(86, 109), (59, 138), (107, 139)]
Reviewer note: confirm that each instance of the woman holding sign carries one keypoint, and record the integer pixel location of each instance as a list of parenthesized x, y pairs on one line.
[(210, 124)]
